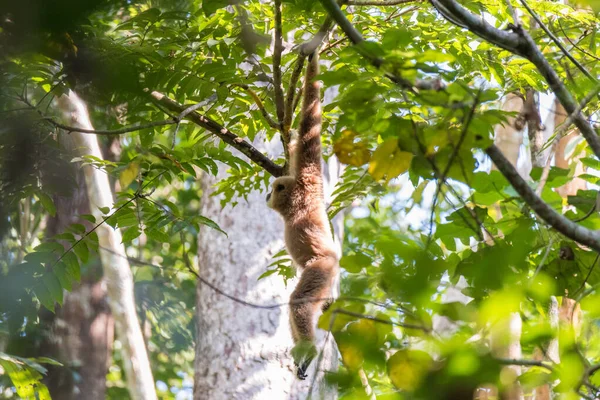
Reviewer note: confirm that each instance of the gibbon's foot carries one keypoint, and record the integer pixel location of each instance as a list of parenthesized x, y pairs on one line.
[(301, 371), (303, 353), (326, 304)]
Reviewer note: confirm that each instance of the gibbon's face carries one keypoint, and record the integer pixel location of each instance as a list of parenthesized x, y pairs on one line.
[(279, 197)]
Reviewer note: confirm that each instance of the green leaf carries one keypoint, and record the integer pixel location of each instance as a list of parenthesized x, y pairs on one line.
[(82, 251), (355, 263), (158, 235), (130, 234), (47, 203), (54, 287), (210, 223), (44, 296), (65, 277), (73, 268)]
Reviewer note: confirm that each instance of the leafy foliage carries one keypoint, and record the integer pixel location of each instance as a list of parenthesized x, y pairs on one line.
[(437, 251)]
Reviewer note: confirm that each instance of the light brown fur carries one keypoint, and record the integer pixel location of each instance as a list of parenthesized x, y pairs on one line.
[(298, 197)]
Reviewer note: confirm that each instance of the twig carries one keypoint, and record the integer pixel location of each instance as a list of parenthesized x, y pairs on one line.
[(119, 131), (587, 276), (525, 363), (548, 214), (136, 195), (334, 10), (224, 134), (260, 105), (556, 41), (382, 3), (522, 44), (559, 134), (290, 95), (277, 50), (305, 49), (221, 292), (575, 45), (513, 12)]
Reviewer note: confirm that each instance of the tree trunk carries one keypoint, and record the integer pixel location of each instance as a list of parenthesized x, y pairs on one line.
[(244, 352), (81, 331), (506, 334), (119, 280), (508, 137)]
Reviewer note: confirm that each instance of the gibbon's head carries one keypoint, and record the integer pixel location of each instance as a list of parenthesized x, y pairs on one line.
[(280, 196)]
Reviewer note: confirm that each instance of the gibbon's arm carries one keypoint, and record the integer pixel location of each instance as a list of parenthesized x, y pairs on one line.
[(306, 152)]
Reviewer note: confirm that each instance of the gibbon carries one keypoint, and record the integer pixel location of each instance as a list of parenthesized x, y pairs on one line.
[(298, 197)]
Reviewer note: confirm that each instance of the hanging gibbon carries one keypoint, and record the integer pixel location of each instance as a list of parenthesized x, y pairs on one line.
[(298, 197)]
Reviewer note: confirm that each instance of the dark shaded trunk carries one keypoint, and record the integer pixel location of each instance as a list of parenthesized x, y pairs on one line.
[(80, 334)]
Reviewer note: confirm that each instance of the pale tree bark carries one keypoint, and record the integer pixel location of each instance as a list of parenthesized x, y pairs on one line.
[(566, 160), (244, 352), (117, 273), (508, 138), (81, 330), (505, 338)]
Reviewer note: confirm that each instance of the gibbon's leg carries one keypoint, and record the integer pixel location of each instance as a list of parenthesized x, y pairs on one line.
[(315, 283)]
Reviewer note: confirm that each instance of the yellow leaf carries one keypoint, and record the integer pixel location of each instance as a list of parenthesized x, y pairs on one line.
[(352, 355), (407, 368), (349, 151), (389, 160), (129, 174)]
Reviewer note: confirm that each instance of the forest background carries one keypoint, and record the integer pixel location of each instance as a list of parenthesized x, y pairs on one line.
[(139, 259)]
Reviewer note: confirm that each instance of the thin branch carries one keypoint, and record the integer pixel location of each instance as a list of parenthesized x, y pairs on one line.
[(575, 45), (119, 131), (334, 10), (277, 50), (556, 41), (513, 12), (382, 3), (382, 321), (458, 15), (221, 292), (223, 133), (291, 93), (559, 134), (305, 49), (587, 276), (525, 363), (332, 45), (522, 44), (559, 222), (260, 105)]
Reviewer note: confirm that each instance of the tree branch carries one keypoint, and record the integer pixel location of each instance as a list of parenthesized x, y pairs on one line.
[(260, 105), (521, 43), (556, 41), (525, 363), (223, 133), (305, 50), (119, 131), (559, 222), (334, 10), (291, 93), (277, 50), (380, 2), (505, 39)]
